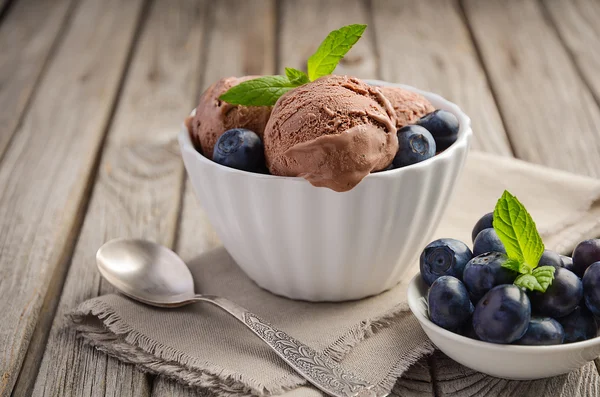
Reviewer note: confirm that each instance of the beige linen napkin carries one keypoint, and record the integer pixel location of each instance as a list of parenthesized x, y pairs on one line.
[(376, 338)]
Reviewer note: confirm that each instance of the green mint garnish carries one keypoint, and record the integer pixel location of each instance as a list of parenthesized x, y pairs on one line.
[(266, 90), (263, 91), (332, 49), (538, 280), (524, 246), (296, 77)]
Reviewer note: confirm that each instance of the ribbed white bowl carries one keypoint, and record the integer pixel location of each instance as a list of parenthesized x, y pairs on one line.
[(315, 244)]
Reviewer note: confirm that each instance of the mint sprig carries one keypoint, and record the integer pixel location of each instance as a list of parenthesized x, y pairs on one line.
[(262, 91), (332, 49), (296, 77), (524, 246), (266, 90), (539, 279)]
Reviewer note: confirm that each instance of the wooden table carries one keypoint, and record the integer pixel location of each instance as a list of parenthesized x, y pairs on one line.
[(92, 93)]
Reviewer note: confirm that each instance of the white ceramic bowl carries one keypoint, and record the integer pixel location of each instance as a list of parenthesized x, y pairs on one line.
[(502, 361), (315, 244)]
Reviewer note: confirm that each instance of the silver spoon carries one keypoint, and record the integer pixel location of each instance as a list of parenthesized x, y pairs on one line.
[(155, 275)]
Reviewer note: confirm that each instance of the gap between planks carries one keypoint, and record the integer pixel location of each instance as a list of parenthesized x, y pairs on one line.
[(136, 194), (50, 280), (4, 7), (28, 40), (33, 357), (252, 43)]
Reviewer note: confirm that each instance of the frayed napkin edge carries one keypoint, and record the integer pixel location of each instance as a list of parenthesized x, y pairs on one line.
[(120, 340)]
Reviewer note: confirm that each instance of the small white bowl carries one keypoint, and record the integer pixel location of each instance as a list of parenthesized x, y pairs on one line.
[(312, 243), (502, 361)]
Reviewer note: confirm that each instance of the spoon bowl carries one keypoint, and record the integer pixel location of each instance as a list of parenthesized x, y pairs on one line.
[(146, 271)]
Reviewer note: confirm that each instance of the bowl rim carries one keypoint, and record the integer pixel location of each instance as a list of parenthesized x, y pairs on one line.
[(464, 133), (505, 348)]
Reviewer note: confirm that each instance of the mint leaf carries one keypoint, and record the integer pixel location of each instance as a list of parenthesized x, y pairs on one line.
[(539, 279), (332, 49), (544, 275), (530, 282), (262, 91), (517, 231), (296, 77), (513, 265)]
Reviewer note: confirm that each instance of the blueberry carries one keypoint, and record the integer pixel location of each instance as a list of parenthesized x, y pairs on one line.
[(591, 288), (579, 325), (448, 303), (468, 330), (485, 222), (543, 331), (443, 125), (502, 315), (444, 257), (567, 262), (484, 272), (561, 297), (487, 241), (586, 253), (242, 149), (415, 144), (389, 167), (550, 258)]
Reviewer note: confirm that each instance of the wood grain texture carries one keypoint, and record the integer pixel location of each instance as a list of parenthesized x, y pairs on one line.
[(426, 44), (416, 381), (47, 169), (551, 116), (172, 389), (454, 379), (28, 32), (304, 25), (577, 24), (240, 41), (137, 192)]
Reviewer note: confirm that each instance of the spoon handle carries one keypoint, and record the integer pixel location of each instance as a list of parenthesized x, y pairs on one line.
[(321, 371)]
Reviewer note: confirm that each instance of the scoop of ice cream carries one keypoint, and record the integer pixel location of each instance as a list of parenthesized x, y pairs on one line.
[(214, 117), (333, 131), (409, 106)]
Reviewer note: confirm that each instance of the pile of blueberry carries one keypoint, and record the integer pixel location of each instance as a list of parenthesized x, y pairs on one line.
[(471, 293), (243, 149)]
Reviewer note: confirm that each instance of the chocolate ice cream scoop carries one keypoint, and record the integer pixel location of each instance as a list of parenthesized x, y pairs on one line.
[(333, 131), (214, 117), (409, 106)]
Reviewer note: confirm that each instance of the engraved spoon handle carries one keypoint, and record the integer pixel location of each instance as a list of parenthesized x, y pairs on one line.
[(321, 371)]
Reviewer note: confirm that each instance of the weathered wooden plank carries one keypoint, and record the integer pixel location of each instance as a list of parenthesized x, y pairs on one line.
[(196, 235), (551, 116), (137, 193), (241, 41), (304, 24), (242, 37), (453, 379), (416, 381), (172, 389), (47, 169), (426, 44), (577, 25), (28, 32)]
